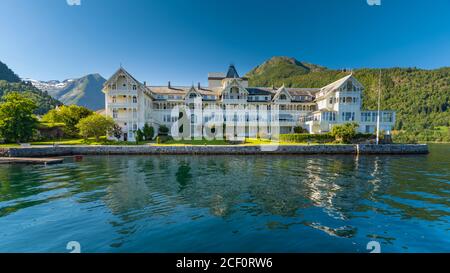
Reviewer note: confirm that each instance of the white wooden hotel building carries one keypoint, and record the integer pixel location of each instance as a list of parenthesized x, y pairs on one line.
[(132, 103)]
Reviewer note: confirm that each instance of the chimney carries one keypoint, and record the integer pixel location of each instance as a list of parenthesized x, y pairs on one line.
[(168, 85), (199, 86), (145, 83)]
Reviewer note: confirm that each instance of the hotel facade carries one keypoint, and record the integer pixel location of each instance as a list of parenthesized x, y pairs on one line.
[(132, 104)]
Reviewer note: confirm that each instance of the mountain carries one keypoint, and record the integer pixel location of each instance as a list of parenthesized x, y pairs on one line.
[(84, 91), (7, 74), (420, 97), (281, 67), (9, 82)]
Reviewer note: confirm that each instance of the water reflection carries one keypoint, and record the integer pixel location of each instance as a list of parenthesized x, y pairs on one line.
[(324, 193)]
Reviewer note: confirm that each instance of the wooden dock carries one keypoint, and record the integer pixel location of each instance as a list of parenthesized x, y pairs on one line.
[(28, 160)]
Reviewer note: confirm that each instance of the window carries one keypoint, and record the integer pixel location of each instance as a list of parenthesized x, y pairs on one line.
[(366, 116), (114, 99), (329, 116), (134, 126), (192, 96), (331, 100), (348, 116), (350, 86), (374, 116), (387, 117), (114, 86), (134, 99), (115, 113), (282, 97), (134, 87)]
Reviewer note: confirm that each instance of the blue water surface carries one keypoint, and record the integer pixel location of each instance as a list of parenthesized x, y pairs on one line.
[(313, 203)]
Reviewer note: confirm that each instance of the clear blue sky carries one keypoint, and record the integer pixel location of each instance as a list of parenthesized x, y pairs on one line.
[(183, 40)]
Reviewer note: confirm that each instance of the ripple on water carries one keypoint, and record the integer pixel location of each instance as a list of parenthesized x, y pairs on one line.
[(230, 203)]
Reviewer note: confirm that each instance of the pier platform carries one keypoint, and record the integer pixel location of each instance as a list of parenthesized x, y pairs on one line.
[(30, 160)]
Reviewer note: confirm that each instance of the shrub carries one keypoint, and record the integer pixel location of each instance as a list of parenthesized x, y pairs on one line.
[(148, 131), (300, 130), (116, 131), (162, 139), (301, 138), (163, 130), (344, 133), (139, 135)]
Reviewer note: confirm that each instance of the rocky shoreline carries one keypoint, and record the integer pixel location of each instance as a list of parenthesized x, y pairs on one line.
[(45, 151)]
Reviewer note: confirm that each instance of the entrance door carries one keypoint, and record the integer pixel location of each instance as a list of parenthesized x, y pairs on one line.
[(125, 137)]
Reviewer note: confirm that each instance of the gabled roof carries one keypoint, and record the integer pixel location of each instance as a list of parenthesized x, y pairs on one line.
[(280, 90), (121, 71), (339, 83), (232, 73)]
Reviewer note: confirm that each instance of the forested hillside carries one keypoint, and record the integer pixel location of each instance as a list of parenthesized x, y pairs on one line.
[(420, 97), (7, 74), (9, 82)]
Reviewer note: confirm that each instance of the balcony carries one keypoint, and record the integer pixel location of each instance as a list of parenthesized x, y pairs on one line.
[(122, 92), (122, 104)]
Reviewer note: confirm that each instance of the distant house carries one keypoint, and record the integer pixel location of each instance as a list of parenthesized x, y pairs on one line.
[(132, 104)]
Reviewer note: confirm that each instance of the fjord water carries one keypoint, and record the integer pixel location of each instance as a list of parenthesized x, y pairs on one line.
[(229, 204)]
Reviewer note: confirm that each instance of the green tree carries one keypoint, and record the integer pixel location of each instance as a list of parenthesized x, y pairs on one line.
[(344, 133), (69, 115), (95, 125), (139, 135), (17, 122), (148, 131)]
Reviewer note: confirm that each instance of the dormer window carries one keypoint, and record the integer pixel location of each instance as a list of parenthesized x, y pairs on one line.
[(350, 86), (192, 96), (134, 87), (283, 97)]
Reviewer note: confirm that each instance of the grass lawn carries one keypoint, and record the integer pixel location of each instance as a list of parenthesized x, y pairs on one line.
[(9, 145), (194, 142), (104, 141), (89, 141), (256, 141)]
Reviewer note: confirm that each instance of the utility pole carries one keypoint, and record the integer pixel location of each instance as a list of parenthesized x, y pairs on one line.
[(379, 105)]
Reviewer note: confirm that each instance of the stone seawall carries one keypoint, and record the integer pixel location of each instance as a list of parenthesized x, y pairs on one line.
[(214, 150)]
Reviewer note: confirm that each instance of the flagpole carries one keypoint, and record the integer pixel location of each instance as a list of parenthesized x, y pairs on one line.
[(379, 103)]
